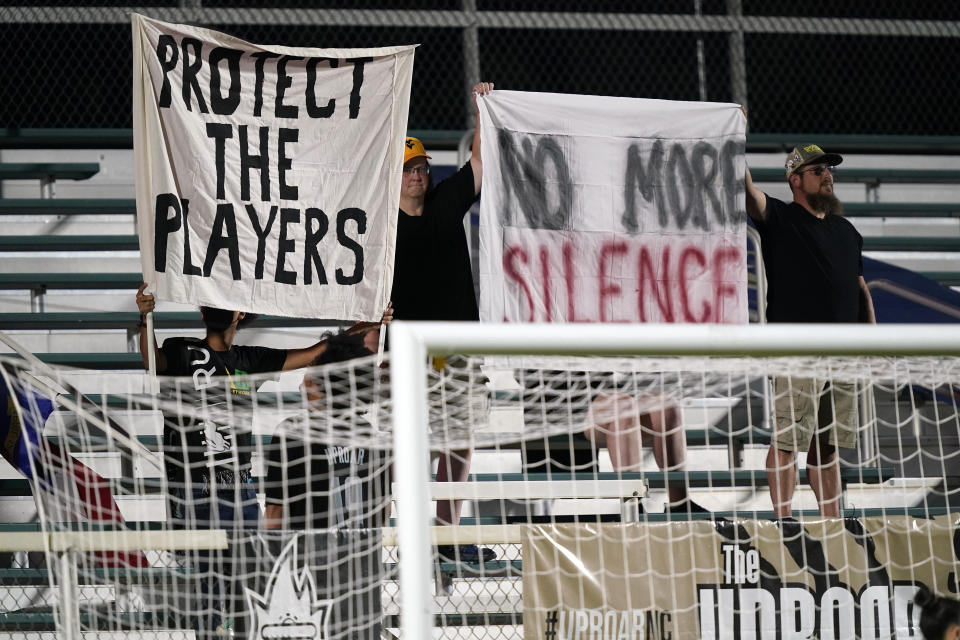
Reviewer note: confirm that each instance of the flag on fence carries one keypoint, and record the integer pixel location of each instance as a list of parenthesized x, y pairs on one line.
[(52, 470)]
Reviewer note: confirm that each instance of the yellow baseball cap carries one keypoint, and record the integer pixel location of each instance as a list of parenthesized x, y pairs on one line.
[(413, 148)]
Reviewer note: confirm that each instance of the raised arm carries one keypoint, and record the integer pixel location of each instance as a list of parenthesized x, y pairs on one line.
[(476, 161), (756, 199), (299, 358), (146, 304)]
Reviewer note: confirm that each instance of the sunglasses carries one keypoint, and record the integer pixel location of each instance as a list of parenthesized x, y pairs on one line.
[(819, 170)]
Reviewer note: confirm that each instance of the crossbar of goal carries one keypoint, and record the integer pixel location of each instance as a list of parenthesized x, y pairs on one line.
[(411, 343)]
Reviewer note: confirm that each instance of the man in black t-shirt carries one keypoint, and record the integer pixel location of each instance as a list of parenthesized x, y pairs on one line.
[(313, 483), (812, 259), (336, 494), (432, 278), (207, 462)]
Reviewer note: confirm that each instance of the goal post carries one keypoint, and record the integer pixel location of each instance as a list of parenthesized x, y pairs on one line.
[(614, 480), (412, 343)]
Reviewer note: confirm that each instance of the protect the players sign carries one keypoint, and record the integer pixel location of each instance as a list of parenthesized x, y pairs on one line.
[(826, 578), (599, 209), (267, 177)]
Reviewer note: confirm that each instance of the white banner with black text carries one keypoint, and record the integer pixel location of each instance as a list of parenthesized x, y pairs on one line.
[(603, 209), (267, 177)]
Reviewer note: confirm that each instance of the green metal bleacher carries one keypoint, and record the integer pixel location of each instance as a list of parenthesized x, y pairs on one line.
[(129, 319), (44, 281), (48, 170), (69, 243), (97, 360), (871, 176), (68, 206)]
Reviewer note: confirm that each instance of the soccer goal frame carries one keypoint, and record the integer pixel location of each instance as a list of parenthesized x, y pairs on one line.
[(412, 342)]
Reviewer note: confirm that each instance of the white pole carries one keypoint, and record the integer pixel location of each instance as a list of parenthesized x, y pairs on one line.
[(411, 460), (445, 338), (69, 591), (151, 345)]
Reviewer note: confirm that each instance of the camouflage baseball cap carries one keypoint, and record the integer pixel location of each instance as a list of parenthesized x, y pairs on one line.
[(805, 154)]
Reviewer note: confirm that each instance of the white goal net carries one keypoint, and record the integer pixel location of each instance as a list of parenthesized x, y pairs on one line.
[(556, 497)]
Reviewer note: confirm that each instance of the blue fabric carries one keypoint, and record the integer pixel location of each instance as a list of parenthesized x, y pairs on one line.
[(893, 308), (19, 441), (196, 513), (221, 601)]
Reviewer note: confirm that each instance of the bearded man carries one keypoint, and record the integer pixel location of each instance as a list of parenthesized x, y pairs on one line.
[(812, 257)]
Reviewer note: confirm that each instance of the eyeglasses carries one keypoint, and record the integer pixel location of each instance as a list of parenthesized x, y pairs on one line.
[(417, 171), (818, 170)]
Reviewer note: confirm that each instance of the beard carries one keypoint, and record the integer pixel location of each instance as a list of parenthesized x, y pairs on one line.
[(825, 202)]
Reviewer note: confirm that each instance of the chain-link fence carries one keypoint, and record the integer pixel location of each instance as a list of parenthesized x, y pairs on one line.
[(861, 66)]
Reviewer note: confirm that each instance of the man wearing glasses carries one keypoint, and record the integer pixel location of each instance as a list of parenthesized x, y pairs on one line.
[(432, 277), (812, 257)]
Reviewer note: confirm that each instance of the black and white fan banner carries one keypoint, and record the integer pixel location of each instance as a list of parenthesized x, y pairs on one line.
[(267, 177)]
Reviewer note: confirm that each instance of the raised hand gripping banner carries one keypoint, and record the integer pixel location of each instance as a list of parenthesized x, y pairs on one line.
[(267, 177), (600, 209)]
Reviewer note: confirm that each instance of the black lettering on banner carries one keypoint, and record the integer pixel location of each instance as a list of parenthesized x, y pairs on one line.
[(261, 57), (163, 226), (876, 571), (312, 109), (358, 64), (220, 133), (220, 105), (285, 246), (733, 184), (678, 176), (360, 217), (527, 183), (311, 257), (685, 186), (166, 45), (190, 71), (808, 552), (262, 233), (188, 267), (642, 179), (284, 82), (218, 241), (287, 192), (705, 166), (260, 162)]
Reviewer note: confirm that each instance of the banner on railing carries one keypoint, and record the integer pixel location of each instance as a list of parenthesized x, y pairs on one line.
[(827, 578), (267, 177), (601, 209)]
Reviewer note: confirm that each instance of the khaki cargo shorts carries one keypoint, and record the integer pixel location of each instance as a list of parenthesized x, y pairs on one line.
[(804, 406)]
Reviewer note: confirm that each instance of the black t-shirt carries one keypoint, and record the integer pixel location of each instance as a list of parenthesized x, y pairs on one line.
[(812, 264), (332, 487), (432, 279), (193, 444)]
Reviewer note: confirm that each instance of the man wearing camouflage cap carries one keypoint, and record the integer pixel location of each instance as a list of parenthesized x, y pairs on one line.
[(812, 258)]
